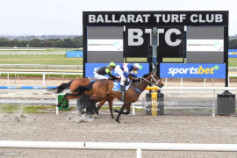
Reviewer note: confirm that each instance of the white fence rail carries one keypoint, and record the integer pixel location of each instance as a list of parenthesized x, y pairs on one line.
[(80, 73), (42, 73), (32, 52), (59, 66), (39, 66), (120, 146), (232, 68)]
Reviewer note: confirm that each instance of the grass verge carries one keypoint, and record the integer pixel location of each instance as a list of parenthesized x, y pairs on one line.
[(23, 109)]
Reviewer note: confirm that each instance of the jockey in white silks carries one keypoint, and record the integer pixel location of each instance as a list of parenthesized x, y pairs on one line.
[(124, 71)]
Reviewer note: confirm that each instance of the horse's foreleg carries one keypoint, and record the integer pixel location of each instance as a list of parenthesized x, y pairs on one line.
[(127, 112), (127, 106), (119, 113)]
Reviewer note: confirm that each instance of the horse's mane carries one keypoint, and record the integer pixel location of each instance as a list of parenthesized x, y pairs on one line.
[(146, 75)]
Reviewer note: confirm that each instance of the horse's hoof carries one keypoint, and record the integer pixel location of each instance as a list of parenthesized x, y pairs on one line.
[(112, 117), (117, 120)]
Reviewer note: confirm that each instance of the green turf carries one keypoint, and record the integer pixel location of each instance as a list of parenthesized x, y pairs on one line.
[(62, 60), (39, 49), (232, 62), (40, 59), (23, 109)]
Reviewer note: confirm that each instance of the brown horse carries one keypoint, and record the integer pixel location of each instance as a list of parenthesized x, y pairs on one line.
[(102, 89), (74, 84)]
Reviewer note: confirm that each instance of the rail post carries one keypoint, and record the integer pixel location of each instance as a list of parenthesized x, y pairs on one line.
[(139, 153), (155, 102), (43, 79)]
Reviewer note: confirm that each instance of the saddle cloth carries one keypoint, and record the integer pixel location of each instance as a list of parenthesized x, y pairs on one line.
[(117, 86)]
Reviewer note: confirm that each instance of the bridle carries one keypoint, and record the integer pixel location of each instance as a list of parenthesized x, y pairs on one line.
[(152, 79)]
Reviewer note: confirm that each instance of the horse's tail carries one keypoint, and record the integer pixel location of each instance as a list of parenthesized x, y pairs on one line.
[(63, 86), (82, 89)]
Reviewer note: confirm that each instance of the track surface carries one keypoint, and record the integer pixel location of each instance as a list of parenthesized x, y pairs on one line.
[(177, 128)]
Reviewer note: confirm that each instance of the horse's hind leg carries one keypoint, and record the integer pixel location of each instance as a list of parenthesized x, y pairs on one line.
[(100, 104), (68, 96), (111, 108), (97, 98)]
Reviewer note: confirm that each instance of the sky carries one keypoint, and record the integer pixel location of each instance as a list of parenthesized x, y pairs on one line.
[(64, 17)]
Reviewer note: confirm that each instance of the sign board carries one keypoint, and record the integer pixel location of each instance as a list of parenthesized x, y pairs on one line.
[(138, 25), (172, 39), (74, 54), (180, 70), (199, 36), (105, 45), (205, 45), (232, 53), (92, 67)]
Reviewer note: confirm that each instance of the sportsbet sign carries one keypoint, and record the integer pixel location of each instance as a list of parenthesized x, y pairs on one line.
[(180, 70)]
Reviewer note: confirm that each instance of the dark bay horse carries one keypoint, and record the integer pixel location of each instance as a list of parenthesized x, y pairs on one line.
[(74, 84), (102, 89)]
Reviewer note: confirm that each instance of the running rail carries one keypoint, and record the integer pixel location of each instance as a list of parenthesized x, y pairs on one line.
[(119, 146), (148, 88)]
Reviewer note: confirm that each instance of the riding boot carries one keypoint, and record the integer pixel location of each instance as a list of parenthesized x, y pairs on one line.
[(122, 88)]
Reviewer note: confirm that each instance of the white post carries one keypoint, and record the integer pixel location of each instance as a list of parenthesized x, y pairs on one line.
[(213, 104), (166, 82), (133, 109), (56, 103), (139, 153), (228, 80), (8, 79), (43, 79), (56, 110), (181, 83), (15, 78), (204, 82)]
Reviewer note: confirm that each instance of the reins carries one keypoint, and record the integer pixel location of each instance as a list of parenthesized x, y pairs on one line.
[(150, 82)]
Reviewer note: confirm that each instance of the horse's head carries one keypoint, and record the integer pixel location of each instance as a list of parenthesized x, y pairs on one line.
[(154, 79)]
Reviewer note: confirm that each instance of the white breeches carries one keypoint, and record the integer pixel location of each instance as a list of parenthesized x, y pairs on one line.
[(119, 71)]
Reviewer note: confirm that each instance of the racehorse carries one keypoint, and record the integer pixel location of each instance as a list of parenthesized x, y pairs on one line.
[(75, 83), (102, 89)]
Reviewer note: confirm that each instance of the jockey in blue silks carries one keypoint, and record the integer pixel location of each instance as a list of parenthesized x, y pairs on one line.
[(125, 71)]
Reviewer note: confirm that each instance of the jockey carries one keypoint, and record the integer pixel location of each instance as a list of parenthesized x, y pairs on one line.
[(124, 72), (131, 70), (100, 73)]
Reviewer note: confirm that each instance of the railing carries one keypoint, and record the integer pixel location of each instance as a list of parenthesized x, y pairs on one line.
[(42, 73), (120, 146), (59, 66), (185, 90), (38, 66), (27, 53), (80, 73)]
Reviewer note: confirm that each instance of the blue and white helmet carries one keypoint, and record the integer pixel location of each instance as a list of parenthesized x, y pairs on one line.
[(138, 66)]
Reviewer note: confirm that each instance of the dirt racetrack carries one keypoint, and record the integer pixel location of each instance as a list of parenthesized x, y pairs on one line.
[(138, 128)]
